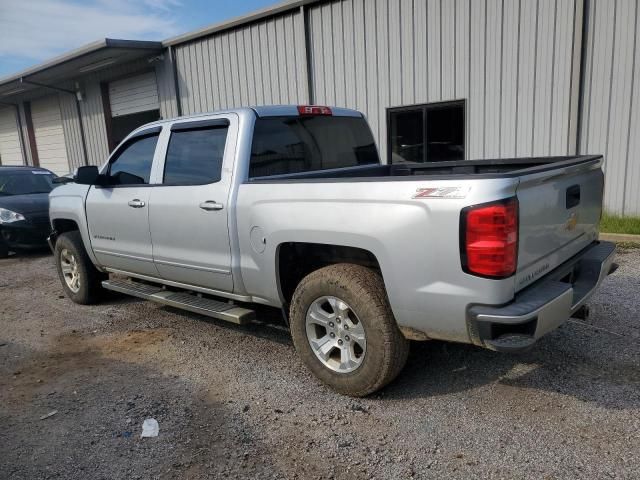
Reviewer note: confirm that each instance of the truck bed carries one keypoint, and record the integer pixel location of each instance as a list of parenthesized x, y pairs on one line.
[(559, 202), (490, 168)]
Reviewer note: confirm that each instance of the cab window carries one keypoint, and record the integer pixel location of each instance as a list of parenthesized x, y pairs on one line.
[(194, 156), (132, 164)]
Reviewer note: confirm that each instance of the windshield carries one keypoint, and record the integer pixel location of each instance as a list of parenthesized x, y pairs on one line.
[(26, 182)]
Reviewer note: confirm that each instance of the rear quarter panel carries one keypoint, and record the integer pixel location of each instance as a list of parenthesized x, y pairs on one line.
[(416, 241)]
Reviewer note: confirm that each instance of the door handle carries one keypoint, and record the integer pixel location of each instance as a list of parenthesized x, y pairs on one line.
[(210, 205), (136, 203)]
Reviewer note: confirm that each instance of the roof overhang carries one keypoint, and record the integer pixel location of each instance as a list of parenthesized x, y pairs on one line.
[(93, 57)]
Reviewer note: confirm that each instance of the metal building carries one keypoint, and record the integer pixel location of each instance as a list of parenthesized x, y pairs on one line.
[(437, 79)]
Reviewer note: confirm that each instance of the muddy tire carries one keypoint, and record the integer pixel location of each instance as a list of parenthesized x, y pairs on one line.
[(80, 279), (344, 331)]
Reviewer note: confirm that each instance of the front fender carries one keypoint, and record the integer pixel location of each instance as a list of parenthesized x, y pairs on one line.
[(67, 202)]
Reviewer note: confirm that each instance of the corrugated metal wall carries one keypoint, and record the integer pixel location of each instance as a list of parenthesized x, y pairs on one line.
[(71, 127), (258, 64), (166, 86), (25, 138), (95, 129), (512, 60), (611, 106)]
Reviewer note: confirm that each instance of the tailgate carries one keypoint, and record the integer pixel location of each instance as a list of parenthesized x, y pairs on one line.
[(560, 213)]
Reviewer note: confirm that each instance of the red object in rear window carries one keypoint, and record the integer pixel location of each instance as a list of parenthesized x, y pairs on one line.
[(314, 110), (489, 239)]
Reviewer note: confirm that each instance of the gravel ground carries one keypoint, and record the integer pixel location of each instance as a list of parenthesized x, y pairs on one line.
[(236, 401)]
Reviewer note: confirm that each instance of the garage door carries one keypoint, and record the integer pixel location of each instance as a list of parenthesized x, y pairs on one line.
[(47, 127), (10, 153), (134, 95), (133, 102)]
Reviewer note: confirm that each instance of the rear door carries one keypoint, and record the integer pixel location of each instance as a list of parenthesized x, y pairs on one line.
[(118, 214), (189, 212), (559, 213)]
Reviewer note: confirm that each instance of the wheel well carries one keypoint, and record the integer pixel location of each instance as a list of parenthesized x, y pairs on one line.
[(62, 225), (296, 260)]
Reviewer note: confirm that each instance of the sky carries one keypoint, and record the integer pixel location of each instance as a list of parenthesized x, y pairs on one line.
[(32, 31)]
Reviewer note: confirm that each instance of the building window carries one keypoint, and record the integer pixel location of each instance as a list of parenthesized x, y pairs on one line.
[(432, 132)]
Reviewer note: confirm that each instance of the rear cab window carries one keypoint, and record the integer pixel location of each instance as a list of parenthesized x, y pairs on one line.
[(296, 144)]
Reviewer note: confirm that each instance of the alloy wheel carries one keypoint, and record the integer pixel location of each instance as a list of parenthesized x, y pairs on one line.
[(70, 270), (336, 334)]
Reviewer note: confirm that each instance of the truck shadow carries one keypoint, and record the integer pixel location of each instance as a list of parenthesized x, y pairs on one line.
[(571, 361), (603, 374), (98, 423), (269, 325)]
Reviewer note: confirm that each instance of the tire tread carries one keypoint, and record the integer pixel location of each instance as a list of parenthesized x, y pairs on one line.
[(89, 293), (368, 285)]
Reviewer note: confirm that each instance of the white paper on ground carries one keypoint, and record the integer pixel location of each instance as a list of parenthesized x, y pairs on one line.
[(150, 428)]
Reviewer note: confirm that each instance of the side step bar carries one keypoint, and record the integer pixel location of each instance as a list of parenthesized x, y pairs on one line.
[(183, 300)]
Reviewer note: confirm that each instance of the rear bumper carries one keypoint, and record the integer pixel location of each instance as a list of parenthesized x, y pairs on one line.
[(543, 306)]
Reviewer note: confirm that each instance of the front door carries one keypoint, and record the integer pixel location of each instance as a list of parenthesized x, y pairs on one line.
[(118, 213), (188, 214)]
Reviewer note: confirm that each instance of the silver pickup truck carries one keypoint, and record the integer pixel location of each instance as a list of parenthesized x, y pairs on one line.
[(290, 207)]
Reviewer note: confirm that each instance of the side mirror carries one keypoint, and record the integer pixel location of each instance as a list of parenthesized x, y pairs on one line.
[(87, 175)]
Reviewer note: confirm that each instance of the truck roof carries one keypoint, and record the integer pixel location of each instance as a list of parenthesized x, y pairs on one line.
[(262, 111)]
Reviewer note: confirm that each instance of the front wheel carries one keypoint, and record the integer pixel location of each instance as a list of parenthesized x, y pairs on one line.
[(79, 277), (343, 328)]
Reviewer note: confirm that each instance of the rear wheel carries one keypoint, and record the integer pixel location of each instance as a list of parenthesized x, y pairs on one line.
[(79, 277), (343, 328)]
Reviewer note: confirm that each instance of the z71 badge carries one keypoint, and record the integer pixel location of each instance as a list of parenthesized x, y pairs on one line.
[(442, 192)]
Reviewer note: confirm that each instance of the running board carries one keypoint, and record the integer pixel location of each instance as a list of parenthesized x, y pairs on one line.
[(183, 300)]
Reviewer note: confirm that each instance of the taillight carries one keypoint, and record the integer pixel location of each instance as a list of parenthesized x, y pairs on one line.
[(314, 110), (489, 239)]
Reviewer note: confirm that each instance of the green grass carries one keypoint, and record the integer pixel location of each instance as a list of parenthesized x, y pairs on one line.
[(615, 224)]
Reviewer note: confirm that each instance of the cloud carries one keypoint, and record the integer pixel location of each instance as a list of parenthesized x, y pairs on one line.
[(165, 5), (40, 29)]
